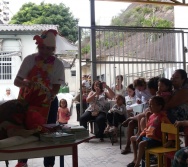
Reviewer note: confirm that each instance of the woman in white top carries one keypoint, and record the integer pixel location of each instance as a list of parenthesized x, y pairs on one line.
[(97, 100), (118, 88)]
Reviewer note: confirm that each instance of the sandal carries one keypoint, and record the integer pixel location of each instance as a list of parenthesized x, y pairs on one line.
[(126, 151), (132, 164)]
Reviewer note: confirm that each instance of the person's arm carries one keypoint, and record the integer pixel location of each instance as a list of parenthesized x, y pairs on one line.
[(138, 96), (20, 82), (58, 78), (68, 114), (91, 96), (77, 98), (110, 93), (26, 66), (181, 123), (55, 89), (180, 97)]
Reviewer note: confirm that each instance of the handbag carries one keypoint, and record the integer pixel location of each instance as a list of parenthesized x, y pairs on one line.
[(95, 112)]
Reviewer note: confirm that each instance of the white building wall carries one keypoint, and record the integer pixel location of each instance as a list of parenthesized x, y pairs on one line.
[(181, 16), (4, 11), (26, 46), (180, 21)]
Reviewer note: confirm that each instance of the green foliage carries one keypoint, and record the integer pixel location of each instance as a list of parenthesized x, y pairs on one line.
[(156, 22), (143, 16), (85, 49), (168, 7), (31, 13)]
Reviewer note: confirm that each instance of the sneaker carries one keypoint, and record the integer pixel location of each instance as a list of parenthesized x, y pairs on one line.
[(21, 164), (107, 129), (112, 129)]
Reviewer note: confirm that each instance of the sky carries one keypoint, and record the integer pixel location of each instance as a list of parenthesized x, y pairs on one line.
[(80, 9)]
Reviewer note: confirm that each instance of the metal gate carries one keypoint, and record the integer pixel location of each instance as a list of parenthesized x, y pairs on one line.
[(106, 52)]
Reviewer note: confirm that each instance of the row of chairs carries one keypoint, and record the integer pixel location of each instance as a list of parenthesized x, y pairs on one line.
[(164, 155)]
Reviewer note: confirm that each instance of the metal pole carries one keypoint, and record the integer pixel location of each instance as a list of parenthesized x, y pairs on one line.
[(93, 41)]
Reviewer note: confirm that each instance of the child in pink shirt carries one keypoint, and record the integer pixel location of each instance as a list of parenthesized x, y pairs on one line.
[(63, 114)]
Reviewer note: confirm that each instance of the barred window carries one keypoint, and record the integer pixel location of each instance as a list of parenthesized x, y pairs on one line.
[(5, 68), (73, 73)]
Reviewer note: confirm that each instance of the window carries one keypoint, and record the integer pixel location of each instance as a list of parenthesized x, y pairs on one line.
[(101, 77), (73, 73), (5, 68)]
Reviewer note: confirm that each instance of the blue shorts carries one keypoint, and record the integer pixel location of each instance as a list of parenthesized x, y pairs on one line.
[(151, 142)]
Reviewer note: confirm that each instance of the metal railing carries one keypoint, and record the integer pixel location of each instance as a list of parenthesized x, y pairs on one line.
[(131, 52)]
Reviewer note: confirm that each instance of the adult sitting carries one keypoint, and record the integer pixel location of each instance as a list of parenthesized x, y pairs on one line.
[(97, 100), (137, 121), (177, 106), (118, 88), (77, 100), (181, 156)]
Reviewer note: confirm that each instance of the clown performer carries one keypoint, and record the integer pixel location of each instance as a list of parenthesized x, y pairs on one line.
[(39, 79)]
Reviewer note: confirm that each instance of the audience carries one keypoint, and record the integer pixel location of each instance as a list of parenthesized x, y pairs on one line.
[(117, 114), (133, 122), (118, 88), (141, 90), (130, 99), (181, 156), (97, 100), (85, 92), (177, 106), (85, 81), (8, 95), (165, 89)]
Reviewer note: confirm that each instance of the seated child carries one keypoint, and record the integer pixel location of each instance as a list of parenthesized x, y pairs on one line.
[(63, 114), (151, 136), (130, 99), (117, 114)]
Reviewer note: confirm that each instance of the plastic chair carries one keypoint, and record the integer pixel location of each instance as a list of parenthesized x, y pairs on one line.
[(138, 108), (159, 151)]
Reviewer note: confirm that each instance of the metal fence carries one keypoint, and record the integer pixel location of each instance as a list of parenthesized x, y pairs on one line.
[(106, 52)]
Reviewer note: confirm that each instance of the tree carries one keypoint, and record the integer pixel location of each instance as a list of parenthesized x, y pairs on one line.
[(31, 13)]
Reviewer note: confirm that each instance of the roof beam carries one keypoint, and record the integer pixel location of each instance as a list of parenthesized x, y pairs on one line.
[(172, 3)]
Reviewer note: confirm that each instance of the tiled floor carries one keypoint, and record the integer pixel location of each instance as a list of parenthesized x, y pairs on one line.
[(92, 154)]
